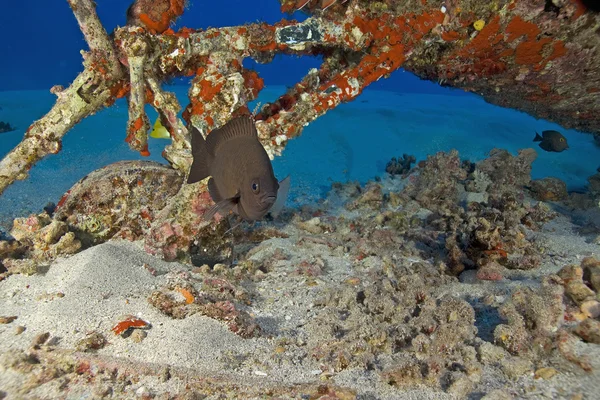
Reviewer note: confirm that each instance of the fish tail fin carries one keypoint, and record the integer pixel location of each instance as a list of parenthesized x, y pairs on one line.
[(199, 169), (537, 138), (282, 194)]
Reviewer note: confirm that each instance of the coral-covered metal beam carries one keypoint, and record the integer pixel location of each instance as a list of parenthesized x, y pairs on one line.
[(94, 88), (532, 55), (167, 105), (138, 125), (95, 35)]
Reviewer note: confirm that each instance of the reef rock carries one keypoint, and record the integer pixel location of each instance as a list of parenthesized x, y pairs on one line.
[(120, 199), (549, 189)]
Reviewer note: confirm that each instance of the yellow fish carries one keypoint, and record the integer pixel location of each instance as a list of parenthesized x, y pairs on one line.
[(159, 131)]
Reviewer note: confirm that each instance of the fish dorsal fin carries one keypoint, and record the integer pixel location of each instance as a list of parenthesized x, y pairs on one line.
[(237, 127)]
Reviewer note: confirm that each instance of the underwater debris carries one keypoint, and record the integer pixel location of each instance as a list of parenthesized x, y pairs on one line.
[(540, 319), (37, 240), (155, 15), (507, 172), (455, 211), (128, 323), (400, 166)]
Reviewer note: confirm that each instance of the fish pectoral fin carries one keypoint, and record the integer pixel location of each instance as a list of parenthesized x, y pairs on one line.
[(282, 195), (222, 207)]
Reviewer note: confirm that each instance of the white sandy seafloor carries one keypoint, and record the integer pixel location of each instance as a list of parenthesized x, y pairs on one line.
[(350, 143), (93, 290)]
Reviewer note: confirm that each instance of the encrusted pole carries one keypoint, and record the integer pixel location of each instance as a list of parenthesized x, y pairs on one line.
[(88, 93)]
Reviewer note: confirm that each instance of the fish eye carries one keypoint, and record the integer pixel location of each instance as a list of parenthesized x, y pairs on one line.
[(255, 187), (562, 140)]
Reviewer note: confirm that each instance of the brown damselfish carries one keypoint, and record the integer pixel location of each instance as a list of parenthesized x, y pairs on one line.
[(242, 178)]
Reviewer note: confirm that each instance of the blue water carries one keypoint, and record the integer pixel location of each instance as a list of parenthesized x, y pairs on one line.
[(398, 115), (352, 142)]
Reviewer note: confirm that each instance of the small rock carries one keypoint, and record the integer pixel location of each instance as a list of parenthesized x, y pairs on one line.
[(461, 387), (102, 390), (549, 189), (25, 266), (545, 373), (68, 244), (490, 353), (471, 197), (143, 392), (497, 394), (7, 320), (19, 329), (591, 308), (571, 273), (51, 233), (579, 292), (138, 335), (490, 273), (589, 331), (371, 197), (40, 339), (313, 226), (469, 276), (591, 271), (93, 341), (219, 268), (165, 374), (516, 367)]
